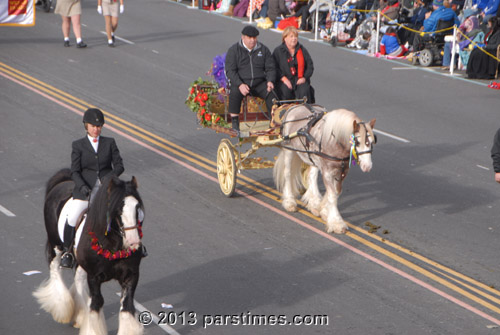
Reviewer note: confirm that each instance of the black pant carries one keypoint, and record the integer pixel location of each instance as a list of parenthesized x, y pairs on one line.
[(297, 92), (260, 90)]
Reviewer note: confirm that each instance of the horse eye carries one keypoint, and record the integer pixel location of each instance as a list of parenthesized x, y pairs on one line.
[(140, 214)]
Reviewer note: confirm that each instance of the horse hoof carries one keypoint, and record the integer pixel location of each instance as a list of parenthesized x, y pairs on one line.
[(315, 212), (290, 206), (340, 228)]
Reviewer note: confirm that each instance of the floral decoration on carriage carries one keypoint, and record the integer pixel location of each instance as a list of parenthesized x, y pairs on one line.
[(206, 97)]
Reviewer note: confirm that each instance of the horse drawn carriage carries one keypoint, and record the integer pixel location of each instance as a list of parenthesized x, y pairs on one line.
[(311, 140)]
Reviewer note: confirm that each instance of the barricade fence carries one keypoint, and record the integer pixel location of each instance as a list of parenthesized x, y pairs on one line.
[(390, 21)]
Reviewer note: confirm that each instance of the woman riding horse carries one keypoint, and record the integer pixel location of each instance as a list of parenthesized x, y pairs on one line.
[(92, 158)]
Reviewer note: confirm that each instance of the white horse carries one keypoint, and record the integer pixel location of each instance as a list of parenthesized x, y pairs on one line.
[(328, 143)]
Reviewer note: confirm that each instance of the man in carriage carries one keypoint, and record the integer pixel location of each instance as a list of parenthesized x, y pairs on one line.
[(251, 70)]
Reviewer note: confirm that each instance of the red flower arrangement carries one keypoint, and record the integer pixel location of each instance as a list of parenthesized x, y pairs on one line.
[(108, 254), (200, 98)]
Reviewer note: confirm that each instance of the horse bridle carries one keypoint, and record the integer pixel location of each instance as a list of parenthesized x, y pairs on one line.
[(140, 219), (303, 132), (367, 142)]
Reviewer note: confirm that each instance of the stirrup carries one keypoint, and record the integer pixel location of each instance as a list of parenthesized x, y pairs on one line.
[(67, 260)]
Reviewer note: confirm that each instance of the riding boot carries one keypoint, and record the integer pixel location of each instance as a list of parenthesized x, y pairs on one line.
[(235, 121), (229, 11), (144, 251), (67, 258)]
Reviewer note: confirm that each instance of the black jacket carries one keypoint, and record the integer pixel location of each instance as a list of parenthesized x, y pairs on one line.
[(87, 165), (495, 152), (251, 68), (281, 56)]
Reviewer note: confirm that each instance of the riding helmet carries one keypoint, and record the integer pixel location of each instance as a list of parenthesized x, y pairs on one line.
[(93, 116)]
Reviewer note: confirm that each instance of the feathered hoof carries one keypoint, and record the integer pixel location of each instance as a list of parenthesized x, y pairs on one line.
[(337, 228), (290, 205), (315, 211)]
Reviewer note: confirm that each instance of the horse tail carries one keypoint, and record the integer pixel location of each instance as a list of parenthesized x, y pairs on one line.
[(59, 177), (295, 172)]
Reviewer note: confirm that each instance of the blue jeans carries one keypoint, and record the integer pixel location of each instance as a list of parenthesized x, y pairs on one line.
[(447, 54)]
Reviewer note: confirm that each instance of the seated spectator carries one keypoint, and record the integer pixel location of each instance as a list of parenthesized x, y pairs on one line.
[(276, 9), (413, 20), (469, 28), (481, 65), (441, 12), (306, 11), (360, 40), (390, 45), (490, 10), (294, 67)]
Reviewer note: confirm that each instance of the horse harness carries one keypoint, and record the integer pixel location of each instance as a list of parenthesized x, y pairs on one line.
[(316, 115)]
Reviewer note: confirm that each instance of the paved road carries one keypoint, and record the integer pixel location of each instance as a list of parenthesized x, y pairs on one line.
[(431, 188)]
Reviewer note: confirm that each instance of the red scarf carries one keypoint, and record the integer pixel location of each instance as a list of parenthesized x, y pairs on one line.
[(300, 63)]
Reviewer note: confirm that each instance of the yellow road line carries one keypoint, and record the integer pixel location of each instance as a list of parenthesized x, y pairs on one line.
[(272, 194)]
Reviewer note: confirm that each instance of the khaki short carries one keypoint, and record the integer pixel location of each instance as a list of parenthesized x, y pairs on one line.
[(110, 8)]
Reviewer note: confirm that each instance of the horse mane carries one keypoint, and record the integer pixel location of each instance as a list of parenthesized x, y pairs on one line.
[(339, 123), (59, 177), (108, 202)]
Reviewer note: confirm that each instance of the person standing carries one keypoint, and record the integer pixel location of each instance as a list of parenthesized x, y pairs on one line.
[(251, 70), (294, 67), (110, 10), (495, 155), (70, 11), (93, 157)]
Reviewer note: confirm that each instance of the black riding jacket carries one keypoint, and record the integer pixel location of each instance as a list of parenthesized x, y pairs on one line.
[(249, 67)]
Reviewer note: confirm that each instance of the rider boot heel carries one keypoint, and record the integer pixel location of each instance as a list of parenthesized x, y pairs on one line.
[(67, 258), (143, 251)]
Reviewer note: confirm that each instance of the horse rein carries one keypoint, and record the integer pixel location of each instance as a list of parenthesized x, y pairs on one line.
[(305, 132)]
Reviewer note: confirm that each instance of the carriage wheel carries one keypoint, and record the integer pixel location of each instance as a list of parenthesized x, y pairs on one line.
[(226, 167), (425, 58)]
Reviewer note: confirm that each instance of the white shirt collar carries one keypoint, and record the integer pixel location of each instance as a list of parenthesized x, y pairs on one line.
[(95, 145)]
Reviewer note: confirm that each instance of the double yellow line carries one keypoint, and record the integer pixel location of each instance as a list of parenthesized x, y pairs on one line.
[(486, 296)]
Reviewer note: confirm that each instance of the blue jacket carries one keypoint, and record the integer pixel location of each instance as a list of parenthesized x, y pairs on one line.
[(390, 41), (481, 4), (491, 7), (441, 13)]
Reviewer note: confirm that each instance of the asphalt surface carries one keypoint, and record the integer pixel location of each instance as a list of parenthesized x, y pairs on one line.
[(431, 189)]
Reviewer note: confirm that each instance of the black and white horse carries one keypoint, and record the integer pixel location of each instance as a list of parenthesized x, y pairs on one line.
[(107, 246)]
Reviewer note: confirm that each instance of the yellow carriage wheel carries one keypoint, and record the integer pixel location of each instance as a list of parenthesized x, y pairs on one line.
[(226, 167)]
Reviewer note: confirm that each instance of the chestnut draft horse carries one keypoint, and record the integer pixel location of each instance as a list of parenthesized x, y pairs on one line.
[(328, 143), (107, 246)]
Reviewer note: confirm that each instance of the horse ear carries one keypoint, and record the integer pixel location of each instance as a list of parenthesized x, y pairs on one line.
[(372, 123), (134, 182), (355, 126), (111, 185)]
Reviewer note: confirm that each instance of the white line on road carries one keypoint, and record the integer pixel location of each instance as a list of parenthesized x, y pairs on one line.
[(166, 328), (404, 68), (482, 167), (6, 211), (404, 140), (119, 38)]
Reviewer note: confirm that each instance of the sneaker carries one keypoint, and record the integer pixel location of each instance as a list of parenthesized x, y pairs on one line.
[(113, 38), (111, 45), (67, 260), (66, 43), (81, 45)]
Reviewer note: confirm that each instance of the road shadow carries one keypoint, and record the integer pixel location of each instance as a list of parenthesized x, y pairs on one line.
[(244, 283)]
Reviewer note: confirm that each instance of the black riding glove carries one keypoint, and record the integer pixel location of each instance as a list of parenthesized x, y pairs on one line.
[(85, 190)]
